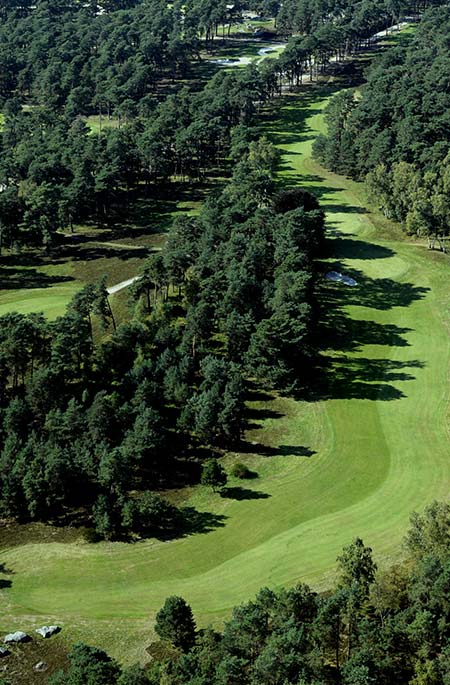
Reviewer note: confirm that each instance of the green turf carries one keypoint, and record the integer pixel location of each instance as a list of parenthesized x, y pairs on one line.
[(97, 123), (52, 302), (37, 282)]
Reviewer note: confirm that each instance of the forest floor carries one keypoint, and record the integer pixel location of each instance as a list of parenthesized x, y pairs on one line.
[(368, 447)]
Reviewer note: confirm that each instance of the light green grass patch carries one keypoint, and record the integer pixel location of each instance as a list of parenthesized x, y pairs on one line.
[(52, 303), (98, 124)]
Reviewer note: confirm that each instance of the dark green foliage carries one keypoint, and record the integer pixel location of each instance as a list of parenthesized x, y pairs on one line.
[(175, 623), (55, 172), (99, 426), (393, 632), (151, 515), (87, 423), (373, 629), (429, 533), (134, 675), (88, 666), (297, 198), (396, 135), (357, 569), (242, 471), (213, 474)]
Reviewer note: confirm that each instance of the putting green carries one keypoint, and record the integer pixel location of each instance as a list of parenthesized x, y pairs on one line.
[(371, 447)]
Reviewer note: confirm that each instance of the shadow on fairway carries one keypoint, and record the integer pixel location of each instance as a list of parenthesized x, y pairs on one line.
[(195, 522), (374, 293), (361, 378), (5, 582), (341, 208), (339, 332), (240, 493), (28, 279), (339, 375), (280, 451), (344, 247)]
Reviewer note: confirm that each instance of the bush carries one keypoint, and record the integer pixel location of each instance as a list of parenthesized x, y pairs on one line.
[(151, 515), (90, 535), (296, 198), (213, 475), (242, 471)]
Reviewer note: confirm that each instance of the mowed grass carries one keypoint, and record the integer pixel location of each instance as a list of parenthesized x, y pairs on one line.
[(369, 447)]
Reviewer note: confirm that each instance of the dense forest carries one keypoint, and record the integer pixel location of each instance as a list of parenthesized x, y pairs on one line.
[(396, 132), (100, 418), (374, 628), (123, 60), (84, 423)]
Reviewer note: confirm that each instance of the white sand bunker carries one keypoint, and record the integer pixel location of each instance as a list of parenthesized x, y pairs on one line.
[(340, 278)]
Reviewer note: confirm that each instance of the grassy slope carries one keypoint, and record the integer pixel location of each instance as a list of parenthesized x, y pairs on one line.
[(378, 445)]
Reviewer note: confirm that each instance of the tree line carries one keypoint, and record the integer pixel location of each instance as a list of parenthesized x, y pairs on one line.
[(56, 172), (102, 56), (396, 135), (87, 420), (373, 628)]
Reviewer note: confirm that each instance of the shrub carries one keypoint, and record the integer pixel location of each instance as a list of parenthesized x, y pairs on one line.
[(242, 471)]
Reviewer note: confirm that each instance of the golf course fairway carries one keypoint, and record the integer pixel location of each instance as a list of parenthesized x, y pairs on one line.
[(356, 458)]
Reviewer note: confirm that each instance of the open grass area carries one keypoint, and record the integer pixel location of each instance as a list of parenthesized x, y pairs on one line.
[(33, 281), (97, 123), (368, 447)]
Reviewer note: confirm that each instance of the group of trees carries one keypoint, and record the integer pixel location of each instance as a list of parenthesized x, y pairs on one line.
[(396, 136), (374, 628), (55, 171), (245, 266), (99, 57), (86, 420)]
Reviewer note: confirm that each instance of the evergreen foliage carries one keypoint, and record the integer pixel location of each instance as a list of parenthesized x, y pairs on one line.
[(396, 135)]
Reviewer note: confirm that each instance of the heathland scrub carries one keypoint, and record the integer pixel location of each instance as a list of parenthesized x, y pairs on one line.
[(368, 448)]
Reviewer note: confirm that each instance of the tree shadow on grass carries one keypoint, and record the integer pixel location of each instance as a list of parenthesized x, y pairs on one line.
[(350, 335), (195, 522), (374, 293), (189, 521), (91, 253), (255, 394), (28, 279), (262, 414), (345, 246), (341, 376), (280, 451), (5, 582), (343, 208), (363, 378), (239, 493)]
